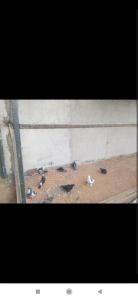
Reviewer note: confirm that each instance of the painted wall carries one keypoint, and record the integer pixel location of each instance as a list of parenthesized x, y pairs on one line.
[(61, 146), (6, 140)]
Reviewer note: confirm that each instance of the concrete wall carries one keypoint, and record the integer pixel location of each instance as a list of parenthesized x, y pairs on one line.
[(61, 146), (7, 146)]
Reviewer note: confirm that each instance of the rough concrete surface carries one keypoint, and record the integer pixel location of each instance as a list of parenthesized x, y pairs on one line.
[(61, 146), (120, 177), (7, 192)]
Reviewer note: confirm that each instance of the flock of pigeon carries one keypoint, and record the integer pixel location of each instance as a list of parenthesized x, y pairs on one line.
[(90, 181)]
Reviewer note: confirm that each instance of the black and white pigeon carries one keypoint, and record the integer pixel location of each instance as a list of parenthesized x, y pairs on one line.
[(31, 193), (42, 170), (42, 181), (103, 171), (74, 165)]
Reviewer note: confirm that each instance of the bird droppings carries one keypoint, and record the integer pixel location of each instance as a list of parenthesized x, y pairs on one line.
[(121, 176), (67, 187), (61, 169)]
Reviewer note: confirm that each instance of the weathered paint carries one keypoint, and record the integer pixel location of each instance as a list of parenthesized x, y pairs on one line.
[(63, 146), (7, 146), (58, 146)]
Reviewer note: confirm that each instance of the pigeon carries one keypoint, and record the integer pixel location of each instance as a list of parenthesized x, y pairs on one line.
[(31, 193), (41, 171), (103, 171), (90, 181), (67, 187), (42, 181), (74, 165), (61, 169)]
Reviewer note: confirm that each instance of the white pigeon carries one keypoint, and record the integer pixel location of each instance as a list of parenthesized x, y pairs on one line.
[(90, 181)]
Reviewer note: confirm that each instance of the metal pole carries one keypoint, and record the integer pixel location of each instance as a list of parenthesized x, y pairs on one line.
[(2, 160), (19, 173)]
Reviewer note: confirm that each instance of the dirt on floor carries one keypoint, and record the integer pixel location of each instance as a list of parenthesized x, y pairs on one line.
[(120, 177), (7, 191)]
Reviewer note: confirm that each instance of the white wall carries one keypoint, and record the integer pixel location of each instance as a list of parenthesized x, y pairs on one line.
[(77, 111), (61, 146)]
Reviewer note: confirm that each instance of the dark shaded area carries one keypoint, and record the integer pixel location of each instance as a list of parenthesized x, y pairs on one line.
[(61, 169), (67, 187), (82, 243)]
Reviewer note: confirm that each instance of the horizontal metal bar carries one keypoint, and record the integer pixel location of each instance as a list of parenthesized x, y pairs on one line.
[(64, 126)]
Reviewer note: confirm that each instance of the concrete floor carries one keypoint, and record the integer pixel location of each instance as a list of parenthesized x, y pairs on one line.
[(7, 191), (120, 177)]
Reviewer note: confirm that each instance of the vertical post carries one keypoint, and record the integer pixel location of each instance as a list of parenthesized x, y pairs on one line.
[(19, 174), (2, 160)]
